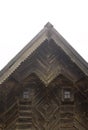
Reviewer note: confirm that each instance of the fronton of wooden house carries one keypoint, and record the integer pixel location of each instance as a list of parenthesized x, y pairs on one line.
[(45, 87)]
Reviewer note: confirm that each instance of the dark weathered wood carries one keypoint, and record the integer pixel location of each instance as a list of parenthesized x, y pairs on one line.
[(33, 84)]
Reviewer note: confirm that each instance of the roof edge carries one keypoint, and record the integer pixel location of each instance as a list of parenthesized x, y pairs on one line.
[(46, 33), (70, 51)]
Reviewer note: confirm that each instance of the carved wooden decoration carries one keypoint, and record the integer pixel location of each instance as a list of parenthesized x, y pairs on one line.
[(45, 87)]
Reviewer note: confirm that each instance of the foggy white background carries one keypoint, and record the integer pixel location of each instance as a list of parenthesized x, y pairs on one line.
[(21, 20)]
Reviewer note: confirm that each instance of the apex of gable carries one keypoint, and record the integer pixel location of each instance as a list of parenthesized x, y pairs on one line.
[(48, 25)]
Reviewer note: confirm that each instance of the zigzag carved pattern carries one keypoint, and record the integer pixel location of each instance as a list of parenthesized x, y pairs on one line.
[(45, 110), (48, 66), (47, 62)]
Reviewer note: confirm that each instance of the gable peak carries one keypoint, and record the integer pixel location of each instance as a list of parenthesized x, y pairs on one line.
[(48, 25)]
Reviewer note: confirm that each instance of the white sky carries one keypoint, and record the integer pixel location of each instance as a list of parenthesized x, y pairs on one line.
[(21, 20)]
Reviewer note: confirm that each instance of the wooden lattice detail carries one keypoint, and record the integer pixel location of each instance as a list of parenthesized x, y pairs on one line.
[(24, 121), (46, 114)]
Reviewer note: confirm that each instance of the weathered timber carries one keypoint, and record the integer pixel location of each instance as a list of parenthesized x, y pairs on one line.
[(45, 87)]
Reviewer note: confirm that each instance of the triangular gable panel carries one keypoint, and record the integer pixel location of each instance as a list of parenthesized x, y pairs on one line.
[(47, 62), (47, 34)]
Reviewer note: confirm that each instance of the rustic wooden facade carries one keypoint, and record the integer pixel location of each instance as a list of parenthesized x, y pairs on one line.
[(45, 87)]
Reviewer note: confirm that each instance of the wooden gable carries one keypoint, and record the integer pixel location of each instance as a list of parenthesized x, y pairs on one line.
[(45, 86)]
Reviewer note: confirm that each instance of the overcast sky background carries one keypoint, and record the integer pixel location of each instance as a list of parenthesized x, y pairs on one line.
[(21, 20)]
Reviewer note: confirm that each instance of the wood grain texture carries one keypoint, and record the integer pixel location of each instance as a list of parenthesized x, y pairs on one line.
[(47, 62)]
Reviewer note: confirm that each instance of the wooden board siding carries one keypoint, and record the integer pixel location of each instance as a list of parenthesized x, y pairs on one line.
[(45, 87)]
